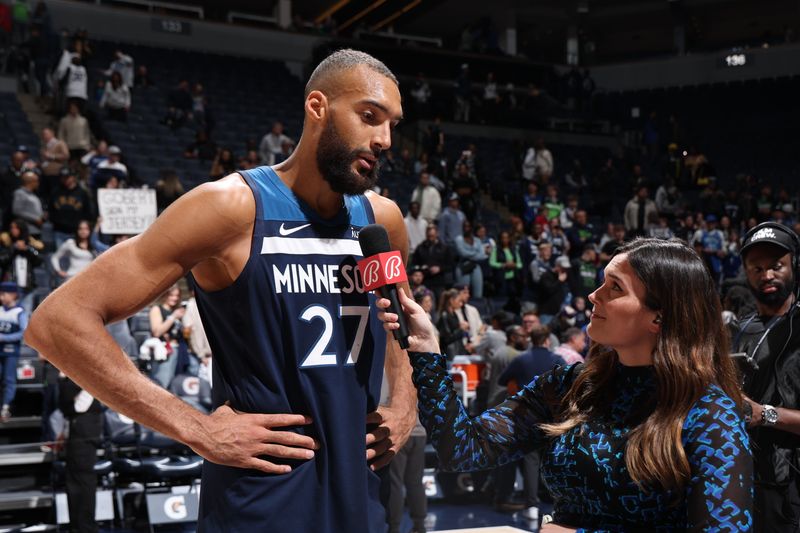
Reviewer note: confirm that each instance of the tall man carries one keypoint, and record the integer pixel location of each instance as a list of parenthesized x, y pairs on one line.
[(770, 344), (272, 252), (535, 361)]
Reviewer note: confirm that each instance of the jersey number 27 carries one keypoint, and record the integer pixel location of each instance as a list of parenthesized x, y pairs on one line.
[(318, 355)]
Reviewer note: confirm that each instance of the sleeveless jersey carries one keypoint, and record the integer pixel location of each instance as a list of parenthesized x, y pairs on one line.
[(12, 322), (295, 333)]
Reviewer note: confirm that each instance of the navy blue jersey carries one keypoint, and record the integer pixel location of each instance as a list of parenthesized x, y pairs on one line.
[(296, 333)]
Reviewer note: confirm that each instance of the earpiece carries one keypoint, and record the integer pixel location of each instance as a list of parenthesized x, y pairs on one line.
[(657, 320)]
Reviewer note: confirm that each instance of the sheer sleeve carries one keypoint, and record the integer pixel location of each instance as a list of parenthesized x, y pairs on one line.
[(720, 494), (498, 435)]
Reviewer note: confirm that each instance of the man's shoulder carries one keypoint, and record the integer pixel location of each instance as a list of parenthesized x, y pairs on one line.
[(389, 215), (495, 334), (383, 206), (526, 356), (563, 349), (751, 323)]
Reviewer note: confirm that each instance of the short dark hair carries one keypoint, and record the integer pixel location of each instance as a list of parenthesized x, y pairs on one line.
[(513, 330), (342, 60), (539, 335), (504, 319), (569, 333)]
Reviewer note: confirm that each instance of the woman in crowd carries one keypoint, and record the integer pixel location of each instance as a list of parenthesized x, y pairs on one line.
[(648, 435), (425, 301), (224, 163), (77, 251), (505, 263), (452, 330), (116, 99), (19, 255), (168, 189), (166, 324), (470, 254)]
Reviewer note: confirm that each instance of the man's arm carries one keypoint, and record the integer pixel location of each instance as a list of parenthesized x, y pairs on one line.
[(200, 231), (61, 152), (62, 129), (263, 148), (788, 419), (398, 418)]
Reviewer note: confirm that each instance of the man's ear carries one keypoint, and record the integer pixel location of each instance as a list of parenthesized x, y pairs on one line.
[(316, 107)]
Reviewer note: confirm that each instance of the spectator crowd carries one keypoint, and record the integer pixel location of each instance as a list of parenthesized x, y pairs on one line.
[(513, 289)]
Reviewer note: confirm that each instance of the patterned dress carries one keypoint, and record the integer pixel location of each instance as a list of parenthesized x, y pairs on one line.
[(585, 467)]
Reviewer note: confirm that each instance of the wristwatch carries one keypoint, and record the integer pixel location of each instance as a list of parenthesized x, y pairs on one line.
[(769, 415)]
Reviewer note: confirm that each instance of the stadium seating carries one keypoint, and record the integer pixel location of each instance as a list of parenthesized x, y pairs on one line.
[(244, 97), (15, 129)]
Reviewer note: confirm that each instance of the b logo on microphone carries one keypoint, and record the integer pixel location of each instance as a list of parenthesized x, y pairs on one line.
[(371, 272), (392, 268), (382, 269)]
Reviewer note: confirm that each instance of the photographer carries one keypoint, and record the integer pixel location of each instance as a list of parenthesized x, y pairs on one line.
[(769, 344)]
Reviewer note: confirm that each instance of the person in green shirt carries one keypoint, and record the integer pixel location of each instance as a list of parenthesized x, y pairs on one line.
[(20, 16), (506, 265), (552, 206)]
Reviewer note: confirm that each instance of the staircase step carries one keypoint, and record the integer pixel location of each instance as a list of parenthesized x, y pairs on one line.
[(38, 118)]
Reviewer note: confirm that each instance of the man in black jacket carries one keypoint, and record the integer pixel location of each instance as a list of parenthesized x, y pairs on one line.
[(437, 260), (553, 288), (85, 429), (768, 343), (531, 363), (69, 205), (179, 105)]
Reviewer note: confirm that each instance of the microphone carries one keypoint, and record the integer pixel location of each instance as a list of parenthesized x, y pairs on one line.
[(382, 269)]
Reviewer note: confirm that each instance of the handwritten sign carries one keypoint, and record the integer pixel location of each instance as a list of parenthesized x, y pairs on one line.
[(126, 211)]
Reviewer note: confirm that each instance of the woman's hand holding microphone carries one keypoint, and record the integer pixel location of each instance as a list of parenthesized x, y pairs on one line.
[(421, 332)]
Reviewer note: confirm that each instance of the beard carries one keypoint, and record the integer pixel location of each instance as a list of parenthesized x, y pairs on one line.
[(776, 298), (335, 163)]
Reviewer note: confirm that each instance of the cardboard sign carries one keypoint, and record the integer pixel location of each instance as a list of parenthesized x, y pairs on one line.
[(126, 211)]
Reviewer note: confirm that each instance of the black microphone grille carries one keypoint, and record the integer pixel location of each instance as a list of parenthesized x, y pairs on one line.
[(373, 240)]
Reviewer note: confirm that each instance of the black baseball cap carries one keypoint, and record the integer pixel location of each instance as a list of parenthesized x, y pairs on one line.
[(771, 233)]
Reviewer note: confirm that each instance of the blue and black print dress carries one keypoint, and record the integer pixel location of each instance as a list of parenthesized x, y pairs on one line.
[(585, 467)]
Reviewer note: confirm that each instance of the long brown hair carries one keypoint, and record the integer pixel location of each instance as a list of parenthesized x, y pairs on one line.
[(691, 354), (445, 299)]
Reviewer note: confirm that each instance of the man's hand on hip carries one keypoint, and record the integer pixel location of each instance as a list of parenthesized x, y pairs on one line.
[(242, 440), (394, 428)]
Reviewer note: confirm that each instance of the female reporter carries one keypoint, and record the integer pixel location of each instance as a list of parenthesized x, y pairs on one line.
[(647, 435)]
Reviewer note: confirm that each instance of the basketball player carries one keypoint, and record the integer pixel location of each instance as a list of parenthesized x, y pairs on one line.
[(298, 353)]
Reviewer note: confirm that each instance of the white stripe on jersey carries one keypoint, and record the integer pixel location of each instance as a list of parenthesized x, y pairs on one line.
[(310, 246)]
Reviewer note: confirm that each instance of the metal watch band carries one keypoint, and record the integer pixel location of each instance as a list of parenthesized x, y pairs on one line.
[(769, 415)]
